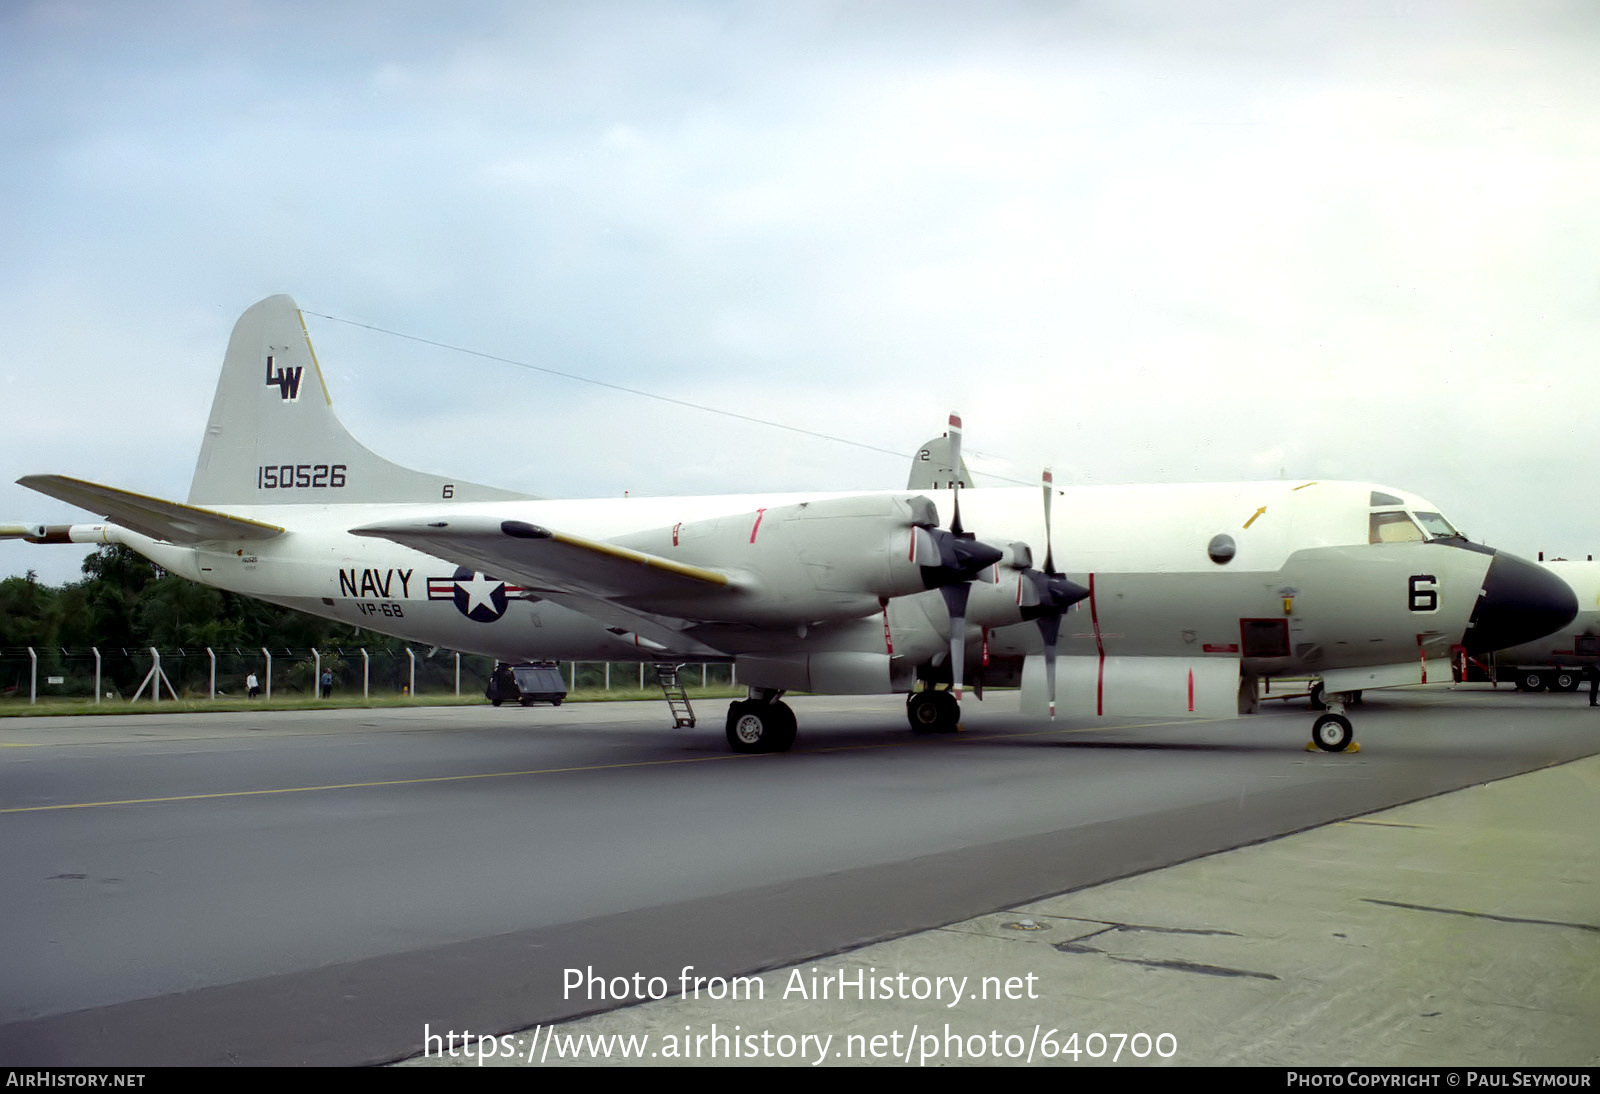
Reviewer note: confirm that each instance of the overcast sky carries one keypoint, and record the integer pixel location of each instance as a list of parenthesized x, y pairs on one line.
[(1166, 241)]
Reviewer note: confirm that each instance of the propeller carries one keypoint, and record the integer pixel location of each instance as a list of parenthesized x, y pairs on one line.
[(1047, 595), (975, 558)]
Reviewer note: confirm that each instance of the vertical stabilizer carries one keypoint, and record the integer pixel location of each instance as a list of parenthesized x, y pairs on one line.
[(933, 468), (273, 439)]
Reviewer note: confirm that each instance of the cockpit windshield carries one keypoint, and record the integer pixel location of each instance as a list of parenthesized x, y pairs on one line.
[(1395, 527), (1436, 526)]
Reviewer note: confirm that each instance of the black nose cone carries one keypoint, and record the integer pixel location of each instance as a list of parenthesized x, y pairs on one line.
[(1521, 601)]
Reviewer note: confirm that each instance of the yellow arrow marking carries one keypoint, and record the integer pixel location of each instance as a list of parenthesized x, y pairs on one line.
[(1252, 520)]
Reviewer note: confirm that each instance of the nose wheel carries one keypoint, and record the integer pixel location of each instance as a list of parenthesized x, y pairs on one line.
[(1332, 732)]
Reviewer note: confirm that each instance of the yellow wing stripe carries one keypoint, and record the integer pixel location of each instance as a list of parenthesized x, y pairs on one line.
[(654, 562)]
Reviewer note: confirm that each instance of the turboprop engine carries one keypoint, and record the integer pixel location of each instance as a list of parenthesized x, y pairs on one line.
[(818, 561)]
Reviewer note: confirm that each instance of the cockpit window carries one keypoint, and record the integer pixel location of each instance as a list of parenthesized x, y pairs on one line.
[(1436, 525), (1393, 528), (1380, 498)]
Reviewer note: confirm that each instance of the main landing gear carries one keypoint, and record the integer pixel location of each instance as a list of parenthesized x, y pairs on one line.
[(1332, 732), (761, 724), (933, 711)]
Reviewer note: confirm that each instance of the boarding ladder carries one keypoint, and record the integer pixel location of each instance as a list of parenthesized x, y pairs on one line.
[(677, 698)]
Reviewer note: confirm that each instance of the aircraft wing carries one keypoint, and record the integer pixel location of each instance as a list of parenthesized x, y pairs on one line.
[(154, 517), (547, 561)]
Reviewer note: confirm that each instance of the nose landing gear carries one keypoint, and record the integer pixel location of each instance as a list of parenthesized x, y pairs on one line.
[(1332, 732)]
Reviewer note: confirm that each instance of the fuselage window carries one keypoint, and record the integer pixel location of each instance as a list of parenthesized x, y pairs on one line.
[(1393, 528)]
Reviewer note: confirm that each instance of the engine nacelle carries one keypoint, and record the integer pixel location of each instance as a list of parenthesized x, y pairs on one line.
[(833, 559), (829, 673)]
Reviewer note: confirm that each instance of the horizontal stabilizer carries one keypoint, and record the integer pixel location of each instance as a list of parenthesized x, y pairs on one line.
[(544, 560), (155, 517)]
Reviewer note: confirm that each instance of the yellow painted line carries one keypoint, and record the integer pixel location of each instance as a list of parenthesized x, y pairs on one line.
[(1252, 520), (1302, 486), (20, 744), (1386, 824), (386, 782)]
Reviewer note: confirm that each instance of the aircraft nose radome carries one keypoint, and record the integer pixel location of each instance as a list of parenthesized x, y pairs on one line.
[(1521, 601)]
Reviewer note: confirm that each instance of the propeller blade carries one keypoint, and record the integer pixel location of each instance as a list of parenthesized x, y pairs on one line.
[(1050, 628), (955, 447), (955, 461), (955, 599), (1055, 597), (1049, 552)]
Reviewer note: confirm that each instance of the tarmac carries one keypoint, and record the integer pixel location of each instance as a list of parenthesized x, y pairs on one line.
[(1458, 931)]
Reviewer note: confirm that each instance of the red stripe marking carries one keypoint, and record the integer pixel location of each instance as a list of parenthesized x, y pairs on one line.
[(1100, 675), (1191, 691), (888, 641), (759, 514)]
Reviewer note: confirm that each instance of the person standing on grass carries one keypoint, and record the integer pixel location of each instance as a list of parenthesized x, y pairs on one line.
[(327, 683), (252, 686)]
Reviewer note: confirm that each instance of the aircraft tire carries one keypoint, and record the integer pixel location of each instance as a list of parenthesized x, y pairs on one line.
[(754, 726), (1332, 733), (496, 702), (1316, 697), (933, 711)]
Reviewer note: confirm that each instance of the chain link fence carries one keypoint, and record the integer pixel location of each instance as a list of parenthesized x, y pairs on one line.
[(125, 672)]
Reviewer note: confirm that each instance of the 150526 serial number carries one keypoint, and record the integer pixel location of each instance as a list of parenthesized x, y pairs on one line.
[(300, 476)]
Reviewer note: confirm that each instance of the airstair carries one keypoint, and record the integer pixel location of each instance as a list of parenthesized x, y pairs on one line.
[(677, 698)]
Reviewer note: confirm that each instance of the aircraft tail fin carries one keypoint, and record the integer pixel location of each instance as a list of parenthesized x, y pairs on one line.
[(932, 468), (273, 438)]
